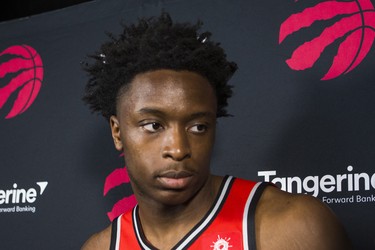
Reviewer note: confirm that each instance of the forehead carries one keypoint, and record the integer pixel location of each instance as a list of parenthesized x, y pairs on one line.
[(170, 90)]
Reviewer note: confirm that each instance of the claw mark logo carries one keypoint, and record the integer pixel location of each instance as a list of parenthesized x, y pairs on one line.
[(26, 69), (118, 177), (355, 27), (221, 243)]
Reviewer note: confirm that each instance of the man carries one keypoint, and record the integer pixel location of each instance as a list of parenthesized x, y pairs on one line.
[(161, 85)]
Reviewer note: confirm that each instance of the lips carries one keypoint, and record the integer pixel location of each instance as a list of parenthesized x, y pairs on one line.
[(174, 174), (173, 179)]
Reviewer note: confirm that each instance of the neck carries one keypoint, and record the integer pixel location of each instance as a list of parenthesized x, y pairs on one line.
[(174, 222)]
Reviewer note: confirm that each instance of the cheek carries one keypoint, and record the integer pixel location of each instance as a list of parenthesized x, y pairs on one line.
[(138, 156), (131, 140), (204, 143), (202, 149)]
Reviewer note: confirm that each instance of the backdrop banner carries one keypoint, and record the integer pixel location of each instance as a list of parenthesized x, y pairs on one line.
[(303, 112)]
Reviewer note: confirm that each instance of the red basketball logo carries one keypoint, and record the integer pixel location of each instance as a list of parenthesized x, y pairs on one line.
[(355, 26), (119, 177), (27, 67)]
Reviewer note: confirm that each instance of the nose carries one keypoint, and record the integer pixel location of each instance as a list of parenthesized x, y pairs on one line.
[(176, 144)]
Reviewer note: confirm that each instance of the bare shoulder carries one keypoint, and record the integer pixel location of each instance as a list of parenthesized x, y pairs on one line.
[(297, 221), (99, 241)]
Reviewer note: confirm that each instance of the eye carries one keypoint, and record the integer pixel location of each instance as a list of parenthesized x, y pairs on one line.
[(198, 128), (152, 127)]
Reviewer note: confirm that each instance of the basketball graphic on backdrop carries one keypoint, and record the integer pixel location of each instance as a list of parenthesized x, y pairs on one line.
[(353, 27), (21, 74)]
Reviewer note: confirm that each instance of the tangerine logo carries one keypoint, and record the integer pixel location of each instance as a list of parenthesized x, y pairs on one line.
[(27, 67), (21, 195), (19, 200), (315, 185), (354, 27), (119, 177)]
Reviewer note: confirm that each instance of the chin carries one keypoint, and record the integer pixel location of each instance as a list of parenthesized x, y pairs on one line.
[(175, 198)]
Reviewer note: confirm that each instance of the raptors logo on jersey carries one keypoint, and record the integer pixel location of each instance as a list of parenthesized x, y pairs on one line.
[(221, 244)]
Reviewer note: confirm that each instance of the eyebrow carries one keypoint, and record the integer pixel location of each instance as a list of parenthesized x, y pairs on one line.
[(158, 112), (150, 111)]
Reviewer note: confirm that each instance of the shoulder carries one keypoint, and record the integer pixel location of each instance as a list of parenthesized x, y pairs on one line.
[(296, 221), (99, 241)]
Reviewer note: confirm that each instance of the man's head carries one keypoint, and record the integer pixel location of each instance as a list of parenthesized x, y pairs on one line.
[(161, 86), (152, 44)]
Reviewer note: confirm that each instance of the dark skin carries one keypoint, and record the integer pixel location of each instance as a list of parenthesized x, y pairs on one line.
[(165, 125)]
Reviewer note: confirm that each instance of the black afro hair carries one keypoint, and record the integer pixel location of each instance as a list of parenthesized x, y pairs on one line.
[(152, 44)]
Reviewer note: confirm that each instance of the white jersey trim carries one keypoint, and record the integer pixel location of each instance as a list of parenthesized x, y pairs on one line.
[(118, 232), (245, 219), (144, 246)]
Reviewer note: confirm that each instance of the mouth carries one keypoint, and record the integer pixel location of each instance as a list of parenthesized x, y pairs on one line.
[(173, 179)]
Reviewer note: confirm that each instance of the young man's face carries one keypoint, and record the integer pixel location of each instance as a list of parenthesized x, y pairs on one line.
[(165, 126)]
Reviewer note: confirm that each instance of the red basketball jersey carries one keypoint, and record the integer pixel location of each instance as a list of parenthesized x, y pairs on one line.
[(229, 224)]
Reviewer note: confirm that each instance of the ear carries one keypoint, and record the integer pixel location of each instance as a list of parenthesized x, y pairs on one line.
[(116, 134)]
